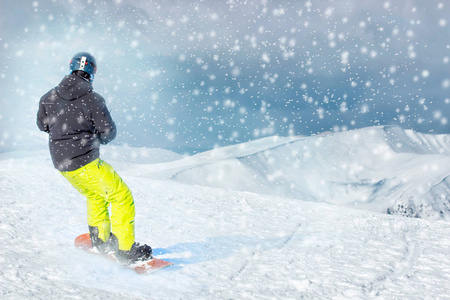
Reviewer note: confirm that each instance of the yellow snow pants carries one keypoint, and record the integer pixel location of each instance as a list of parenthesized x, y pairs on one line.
[(102, 186)]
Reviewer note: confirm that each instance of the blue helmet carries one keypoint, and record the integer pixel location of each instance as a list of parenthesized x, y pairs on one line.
[(85, 62)]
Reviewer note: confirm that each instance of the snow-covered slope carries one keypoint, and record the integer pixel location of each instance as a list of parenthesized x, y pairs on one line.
[(383, 169), (231, 244)]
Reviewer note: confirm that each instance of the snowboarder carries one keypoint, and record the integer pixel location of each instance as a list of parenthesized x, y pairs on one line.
[(78, 121)]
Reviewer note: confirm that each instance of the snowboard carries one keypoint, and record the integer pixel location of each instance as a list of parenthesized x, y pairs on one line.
[(142, 267)]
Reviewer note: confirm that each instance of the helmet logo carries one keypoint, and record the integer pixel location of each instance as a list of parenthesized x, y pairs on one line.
[(82, 63)]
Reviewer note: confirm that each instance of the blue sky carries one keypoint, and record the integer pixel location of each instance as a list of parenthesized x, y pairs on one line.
[(194, 75)]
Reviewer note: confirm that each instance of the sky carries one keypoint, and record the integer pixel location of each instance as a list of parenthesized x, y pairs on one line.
[(190, 76)]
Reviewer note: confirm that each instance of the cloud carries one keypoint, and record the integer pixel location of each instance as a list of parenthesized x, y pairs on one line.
[(290, 67)]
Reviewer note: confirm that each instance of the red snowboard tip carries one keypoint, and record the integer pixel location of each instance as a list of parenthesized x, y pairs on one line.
[(83, 241), (151, 265)]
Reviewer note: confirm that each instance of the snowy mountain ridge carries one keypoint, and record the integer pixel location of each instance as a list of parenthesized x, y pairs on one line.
[(385, 169)]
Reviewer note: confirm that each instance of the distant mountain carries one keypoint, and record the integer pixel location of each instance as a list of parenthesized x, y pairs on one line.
[(384, 169)]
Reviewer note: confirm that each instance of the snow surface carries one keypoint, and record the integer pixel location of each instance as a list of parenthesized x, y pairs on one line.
[(269, 219)]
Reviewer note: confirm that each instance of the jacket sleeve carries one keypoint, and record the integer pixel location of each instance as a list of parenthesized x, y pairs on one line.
[(105, 128), (42, 119)]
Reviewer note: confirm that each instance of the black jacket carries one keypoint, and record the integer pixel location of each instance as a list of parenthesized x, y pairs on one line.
[(77, 121)]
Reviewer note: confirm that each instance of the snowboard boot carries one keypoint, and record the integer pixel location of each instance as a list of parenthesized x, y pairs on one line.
[(111, 245), (136, 253)]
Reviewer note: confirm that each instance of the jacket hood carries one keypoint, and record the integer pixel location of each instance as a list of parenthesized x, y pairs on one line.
[(73, 87)]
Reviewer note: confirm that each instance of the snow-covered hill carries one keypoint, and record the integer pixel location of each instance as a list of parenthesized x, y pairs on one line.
[(383, 169), (243, 222)]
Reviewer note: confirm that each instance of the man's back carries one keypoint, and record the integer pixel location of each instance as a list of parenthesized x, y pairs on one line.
[(77, 121)]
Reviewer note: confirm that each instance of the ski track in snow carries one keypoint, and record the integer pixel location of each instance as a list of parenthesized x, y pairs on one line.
[(225, 244)]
